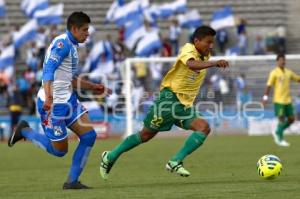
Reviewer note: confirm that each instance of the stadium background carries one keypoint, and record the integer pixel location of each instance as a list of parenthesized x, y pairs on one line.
[(264, 18), (225, 167)]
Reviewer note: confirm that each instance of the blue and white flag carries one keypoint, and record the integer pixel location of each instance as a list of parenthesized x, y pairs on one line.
[(128, 12), (191, 19), (99, 49), (180, 6), (2, 8), (51, 15), (133, 32), (148, 45), (102, 70), (222, 18), (110, 15), (27, 32), (29, 7), (168, 9), (7, 57), (151, 14)]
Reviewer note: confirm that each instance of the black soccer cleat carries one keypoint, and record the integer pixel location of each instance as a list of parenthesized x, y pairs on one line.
[(75, 185), (16, 135)]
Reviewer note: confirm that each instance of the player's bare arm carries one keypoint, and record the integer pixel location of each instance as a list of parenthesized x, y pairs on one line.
[(99, 89), (48, 95), (200, 65)]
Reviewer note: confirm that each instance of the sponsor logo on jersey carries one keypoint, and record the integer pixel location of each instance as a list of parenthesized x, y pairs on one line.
[(55, 57), (60, 44), (57, 131), (192, 77)]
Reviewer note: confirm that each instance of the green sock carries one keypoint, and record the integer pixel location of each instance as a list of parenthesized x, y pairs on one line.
[(127, 144), (280, 128), (194, 141), (286, 125)]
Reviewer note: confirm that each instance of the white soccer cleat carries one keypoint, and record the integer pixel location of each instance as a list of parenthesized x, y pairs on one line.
[(284, 143), (276, 139)]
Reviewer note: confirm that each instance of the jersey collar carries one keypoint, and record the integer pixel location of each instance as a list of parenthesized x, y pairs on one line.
[(72, 38)]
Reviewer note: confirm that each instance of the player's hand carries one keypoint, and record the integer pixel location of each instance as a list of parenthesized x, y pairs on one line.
[(48, 103), (265, 100), (264, 103), (100, 89), (222, 63)]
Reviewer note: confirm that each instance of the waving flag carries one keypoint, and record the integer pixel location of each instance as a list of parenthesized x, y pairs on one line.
[(134, 31), (151, 14), (128, 11), (99, 49), (168, 9), (51, 15), (191, 19), (149, 44), (110, 15), (27, 32), (7, 57), (29, 7), (2, 8), (223, 18), (102, 70), (180, 6)]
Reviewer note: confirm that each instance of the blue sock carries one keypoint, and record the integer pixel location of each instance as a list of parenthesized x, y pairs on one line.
[(42, 141), (81, 154)]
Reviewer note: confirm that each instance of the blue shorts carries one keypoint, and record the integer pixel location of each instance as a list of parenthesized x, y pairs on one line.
[(62, 116)]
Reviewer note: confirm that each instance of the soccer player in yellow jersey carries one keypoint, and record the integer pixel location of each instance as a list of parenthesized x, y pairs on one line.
[(280, 78), (174, 105)]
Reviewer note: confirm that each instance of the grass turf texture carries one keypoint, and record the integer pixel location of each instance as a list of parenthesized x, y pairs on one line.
[(224, 167)]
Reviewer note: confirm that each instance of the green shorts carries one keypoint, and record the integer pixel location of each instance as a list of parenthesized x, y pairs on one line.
[(167, 110), (283, 110)]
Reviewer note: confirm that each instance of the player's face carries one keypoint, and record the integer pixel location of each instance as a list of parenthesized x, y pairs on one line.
[(204, 45), (281, 62), (81, 33)]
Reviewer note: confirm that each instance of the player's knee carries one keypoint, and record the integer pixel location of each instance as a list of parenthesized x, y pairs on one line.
[(203, 126), (88, 138), (291, 120), (146, 136), (59, 153)]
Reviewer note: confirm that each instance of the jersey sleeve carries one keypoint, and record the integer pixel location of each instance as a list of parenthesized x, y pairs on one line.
[(187, 53), (271, 80), (295, 77), (58, 52)]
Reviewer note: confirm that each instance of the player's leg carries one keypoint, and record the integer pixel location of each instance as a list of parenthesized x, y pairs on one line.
[(158, 119), (280, 113), (54, 140), (289, 114), (200, 130), (282, 123), (132, 141), (285, 114), (80, 124)]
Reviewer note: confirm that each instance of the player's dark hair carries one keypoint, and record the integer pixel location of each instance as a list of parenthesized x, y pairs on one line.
[(202, 32), (77, 19), (280, 56)]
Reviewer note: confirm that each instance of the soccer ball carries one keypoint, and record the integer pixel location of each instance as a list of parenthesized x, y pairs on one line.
[(269, 166)]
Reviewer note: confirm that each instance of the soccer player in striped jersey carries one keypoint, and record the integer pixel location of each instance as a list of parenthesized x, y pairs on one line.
[(58, 103)]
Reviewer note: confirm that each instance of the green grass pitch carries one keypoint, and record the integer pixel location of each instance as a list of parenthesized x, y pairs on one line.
[(224, 167)]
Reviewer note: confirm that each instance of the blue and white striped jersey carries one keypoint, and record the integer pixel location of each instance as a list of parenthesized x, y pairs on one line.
[(60, 66)]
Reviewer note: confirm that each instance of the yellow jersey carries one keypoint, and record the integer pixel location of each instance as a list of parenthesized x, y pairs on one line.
[(280, 79), (181, 79)]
